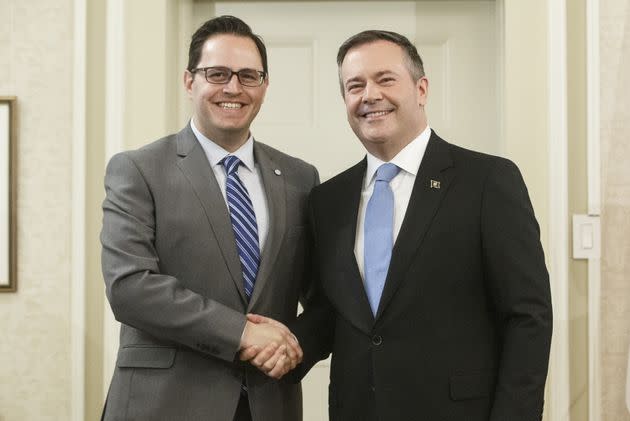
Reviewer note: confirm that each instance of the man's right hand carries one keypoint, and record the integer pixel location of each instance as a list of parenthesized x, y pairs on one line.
[(270, 346)]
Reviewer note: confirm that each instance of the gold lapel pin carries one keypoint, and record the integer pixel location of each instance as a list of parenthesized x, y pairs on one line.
[(435, 184)]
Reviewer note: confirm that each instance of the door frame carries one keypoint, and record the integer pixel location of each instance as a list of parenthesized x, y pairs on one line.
[(594, 205), (78, 211)]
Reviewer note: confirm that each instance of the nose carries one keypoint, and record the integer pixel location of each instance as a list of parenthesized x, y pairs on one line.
[(371, 93), (233, 86)]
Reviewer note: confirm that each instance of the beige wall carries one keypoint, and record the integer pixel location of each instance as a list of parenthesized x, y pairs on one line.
[(526, 100), (153, 79), (36, 51), (94, 194), (615, 137)]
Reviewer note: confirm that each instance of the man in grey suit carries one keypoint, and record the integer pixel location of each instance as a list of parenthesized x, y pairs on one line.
[(199, 229)]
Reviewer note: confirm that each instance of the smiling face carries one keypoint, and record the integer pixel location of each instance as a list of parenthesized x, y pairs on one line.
[(224, 112), (385, 106)]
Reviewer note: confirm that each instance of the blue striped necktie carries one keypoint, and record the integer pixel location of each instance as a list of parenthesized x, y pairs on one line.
[(379, 234), (243, 222)]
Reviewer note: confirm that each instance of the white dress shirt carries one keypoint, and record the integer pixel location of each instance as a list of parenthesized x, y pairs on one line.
[(408, 160), (249, 173)]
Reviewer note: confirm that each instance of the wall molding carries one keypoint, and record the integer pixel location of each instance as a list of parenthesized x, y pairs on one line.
[(593, 107), (77, 291), (499, 16), (558, 208), (594, 204), (114, 141)]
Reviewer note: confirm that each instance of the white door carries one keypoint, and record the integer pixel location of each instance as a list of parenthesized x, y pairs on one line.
[(304, 114)]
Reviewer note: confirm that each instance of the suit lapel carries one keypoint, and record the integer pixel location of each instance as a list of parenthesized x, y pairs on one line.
[(350, 289), (194, 164), (431, 185), (275, 191)]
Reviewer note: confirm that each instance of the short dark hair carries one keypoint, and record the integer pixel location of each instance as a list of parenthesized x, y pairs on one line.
[(223, 25), (414, 62)]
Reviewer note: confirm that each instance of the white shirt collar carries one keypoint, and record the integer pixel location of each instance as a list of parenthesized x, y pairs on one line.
[(216, 153), (408, 159)]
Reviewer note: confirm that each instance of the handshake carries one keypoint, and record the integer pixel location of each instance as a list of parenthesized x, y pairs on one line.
[(270, 346)]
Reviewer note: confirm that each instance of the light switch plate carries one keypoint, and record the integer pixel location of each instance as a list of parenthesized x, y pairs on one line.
[(586, 237)]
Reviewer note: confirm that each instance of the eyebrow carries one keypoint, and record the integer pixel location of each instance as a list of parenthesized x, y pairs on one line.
[(377, 75)]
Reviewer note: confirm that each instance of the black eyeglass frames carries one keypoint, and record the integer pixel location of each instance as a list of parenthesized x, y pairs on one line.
[(221, 75)]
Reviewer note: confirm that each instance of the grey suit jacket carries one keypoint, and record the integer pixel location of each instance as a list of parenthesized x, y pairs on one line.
[(173, 279)]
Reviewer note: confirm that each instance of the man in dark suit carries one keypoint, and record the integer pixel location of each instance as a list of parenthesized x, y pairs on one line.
[(199, 228), (434, 296)]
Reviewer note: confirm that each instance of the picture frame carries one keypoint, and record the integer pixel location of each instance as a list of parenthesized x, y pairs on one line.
[(8, 194)]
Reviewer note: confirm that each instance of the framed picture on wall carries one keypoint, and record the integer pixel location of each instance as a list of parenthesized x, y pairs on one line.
[(8, 184)]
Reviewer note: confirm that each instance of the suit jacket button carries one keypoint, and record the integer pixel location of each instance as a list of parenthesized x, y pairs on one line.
[(377, 340)]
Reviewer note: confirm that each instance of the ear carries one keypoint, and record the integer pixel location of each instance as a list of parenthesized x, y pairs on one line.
[(422, 88), (266, 82), (264, 87), (188, 81)]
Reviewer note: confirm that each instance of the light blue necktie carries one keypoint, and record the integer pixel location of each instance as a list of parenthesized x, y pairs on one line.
[(243, 223), (379, 234)]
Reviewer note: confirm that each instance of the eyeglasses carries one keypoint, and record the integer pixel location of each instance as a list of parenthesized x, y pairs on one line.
[(222, 75)]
